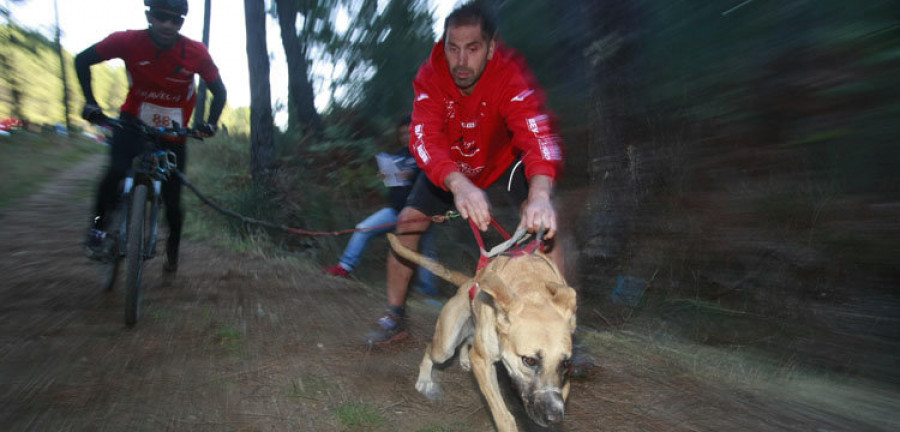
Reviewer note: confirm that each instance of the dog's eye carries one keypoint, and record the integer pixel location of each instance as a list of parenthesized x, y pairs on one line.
[(529, 361), (566, 366)]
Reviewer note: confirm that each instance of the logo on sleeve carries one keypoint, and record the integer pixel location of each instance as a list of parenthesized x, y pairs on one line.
[(422, 152), (422, 97), (538, 125), (521, 96), (550, 149)]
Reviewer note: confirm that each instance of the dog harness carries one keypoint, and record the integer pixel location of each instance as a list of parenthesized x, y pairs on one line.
[(483, 260), (527, 248), (473, 291)]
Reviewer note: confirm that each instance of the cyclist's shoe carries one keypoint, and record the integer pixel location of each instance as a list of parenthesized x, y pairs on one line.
[(389, 328), (171, 264), (96, 245), (337, 270)]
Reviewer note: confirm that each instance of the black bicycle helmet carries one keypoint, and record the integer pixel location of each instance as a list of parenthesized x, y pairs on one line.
[(179, 6)]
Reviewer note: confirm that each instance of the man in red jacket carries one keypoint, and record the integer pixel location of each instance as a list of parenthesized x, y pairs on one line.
[(161, 65), (477, 111)]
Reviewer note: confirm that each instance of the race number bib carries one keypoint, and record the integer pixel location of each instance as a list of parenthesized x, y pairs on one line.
[(157, 116)]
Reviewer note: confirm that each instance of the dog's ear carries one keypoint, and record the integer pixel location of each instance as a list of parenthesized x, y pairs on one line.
[(501, 317), (564, 298), (501, 296), (494, 286)]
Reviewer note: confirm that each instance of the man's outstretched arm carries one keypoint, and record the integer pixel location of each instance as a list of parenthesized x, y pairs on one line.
[(538, 210), (220, 95), (83, 62)]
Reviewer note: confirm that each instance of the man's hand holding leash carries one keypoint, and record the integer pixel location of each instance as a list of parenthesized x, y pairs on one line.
[(470, 200), (537, 210)]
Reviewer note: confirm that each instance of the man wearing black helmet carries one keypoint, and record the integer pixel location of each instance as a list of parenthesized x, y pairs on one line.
[(161, 64)]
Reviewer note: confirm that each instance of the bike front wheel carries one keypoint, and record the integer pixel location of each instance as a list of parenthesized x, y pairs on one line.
[(110, 270), (134, 256)]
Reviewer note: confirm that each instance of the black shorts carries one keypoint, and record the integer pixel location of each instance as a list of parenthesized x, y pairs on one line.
[(432, 200)]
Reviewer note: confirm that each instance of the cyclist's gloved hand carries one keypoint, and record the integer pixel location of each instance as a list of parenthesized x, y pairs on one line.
[(93, 114), (206, 130)]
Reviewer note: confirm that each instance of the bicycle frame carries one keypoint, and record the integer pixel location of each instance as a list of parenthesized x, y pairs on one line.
[(152, 167)]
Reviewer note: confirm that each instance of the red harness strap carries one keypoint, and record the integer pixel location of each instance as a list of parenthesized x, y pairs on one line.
[(483, 260), (521, 250), (473, 291)]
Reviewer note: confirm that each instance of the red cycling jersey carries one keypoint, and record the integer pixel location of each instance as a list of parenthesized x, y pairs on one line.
[(162, 81), (482, 134)]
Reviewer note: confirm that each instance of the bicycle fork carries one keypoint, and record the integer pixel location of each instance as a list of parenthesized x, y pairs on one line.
[(150, 251), (153, 235)]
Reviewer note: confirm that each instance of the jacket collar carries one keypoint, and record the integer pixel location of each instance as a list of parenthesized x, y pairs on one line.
[(439, 64)]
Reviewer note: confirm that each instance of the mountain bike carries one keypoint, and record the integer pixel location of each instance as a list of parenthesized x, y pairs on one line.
[(134, 222)]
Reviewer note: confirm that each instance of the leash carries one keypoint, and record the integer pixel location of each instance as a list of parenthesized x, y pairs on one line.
[(248, 220), (436, 219), (512, 245)]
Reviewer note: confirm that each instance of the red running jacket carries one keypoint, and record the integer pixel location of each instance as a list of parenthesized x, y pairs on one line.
[(482, 134), (162, 81)]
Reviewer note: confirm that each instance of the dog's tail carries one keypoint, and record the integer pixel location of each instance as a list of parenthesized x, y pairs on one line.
[(439, 270)]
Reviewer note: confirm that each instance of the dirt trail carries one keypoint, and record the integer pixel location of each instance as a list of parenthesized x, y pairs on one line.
[(245, 344)]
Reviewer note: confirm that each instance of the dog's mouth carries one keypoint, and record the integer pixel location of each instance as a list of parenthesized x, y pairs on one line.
[(545, 406)]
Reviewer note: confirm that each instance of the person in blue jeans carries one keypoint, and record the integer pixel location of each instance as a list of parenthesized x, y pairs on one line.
[(384, 220)]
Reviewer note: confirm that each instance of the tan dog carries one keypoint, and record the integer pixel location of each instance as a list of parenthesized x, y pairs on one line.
[(521, 313)]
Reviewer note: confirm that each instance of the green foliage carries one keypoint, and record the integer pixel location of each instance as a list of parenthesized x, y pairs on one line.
[(359, 415), (372, 61), (459, 426), (329, 185), (110, 84), (229, 339), (352, 157), (219, 168), (309, 386), (818, 76), (397, 43), (552, 36), (236, 120), (29, 65)]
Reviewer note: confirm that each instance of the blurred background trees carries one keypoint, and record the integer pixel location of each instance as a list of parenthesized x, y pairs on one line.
[(739, 154)]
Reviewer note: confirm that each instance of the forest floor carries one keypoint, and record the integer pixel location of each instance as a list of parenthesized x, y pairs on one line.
[(247, 343)]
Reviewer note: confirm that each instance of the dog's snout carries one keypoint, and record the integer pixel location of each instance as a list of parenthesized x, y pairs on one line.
[(555, 417), (551, 407)]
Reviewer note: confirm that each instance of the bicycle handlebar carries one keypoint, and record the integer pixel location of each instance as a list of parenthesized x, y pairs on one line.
[(151, 132)]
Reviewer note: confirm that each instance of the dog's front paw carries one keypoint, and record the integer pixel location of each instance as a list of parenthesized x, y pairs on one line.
[(430, 389), (465, 363)]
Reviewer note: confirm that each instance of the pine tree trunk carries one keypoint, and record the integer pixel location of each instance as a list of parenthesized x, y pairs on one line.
[(62, 70), (618, 147), (262, 127), (302, 112), (200, 111)]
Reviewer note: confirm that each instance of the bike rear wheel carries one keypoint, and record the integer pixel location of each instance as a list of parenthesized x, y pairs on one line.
[(134, 256)]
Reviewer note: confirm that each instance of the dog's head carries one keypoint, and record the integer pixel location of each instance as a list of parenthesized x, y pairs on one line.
[(535, 313)]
